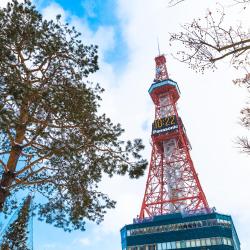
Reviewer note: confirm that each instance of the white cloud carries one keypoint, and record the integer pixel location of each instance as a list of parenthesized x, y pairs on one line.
[(84, 241), (89, 7), (52, 10), (103, 37), (3, 3), (49, 246)]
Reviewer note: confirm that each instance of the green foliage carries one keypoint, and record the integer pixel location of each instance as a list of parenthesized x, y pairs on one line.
[(16, 236), (53, 139)]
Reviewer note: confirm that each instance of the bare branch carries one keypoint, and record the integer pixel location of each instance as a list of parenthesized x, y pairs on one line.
[(242, 2), (210, 40), (4, 166), (173, 3), (244, 144), (30, 183), (29, 166)]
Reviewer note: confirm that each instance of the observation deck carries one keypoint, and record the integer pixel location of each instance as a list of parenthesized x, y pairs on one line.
[(162, 87)]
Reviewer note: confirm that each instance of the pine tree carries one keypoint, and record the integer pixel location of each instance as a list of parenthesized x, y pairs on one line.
[(53, 137), (17, 234)]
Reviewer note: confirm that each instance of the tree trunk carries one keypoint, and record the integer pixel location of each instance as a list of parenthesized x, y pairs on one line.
[(6, 181), (15, 153), (5, 247)]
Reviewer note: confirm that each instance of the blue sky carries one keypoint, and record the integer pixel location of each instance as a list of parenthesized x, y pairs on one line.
[(96, 13), (126, 32)]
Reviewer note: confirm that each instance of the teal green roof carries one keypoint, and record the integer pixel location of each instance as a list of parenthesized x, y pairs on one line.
[(169, 82)]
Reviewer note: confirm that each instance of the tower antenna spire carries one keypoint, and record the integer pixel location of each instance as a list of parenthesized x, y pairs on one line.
[(158, 45)]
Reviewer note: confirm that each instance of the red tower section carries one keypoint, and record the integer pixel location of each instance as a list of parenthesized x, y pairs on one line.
[(172, 184)]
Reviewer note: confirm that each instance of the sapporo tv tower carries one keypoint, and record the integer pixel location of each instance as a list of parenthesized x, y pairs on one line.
[(174, 212)]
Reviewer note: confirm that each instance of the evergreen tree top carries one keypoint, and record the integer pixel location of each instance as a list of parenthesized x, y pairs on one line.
[(53, 139)]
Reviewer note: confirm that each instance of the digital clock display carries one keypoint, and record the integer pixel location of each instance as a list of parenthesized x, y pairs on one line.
[(163, 125)]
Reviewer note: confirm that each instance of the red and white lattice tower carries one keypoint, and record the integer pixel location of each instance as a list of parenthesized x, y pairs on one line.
[(172, 184)]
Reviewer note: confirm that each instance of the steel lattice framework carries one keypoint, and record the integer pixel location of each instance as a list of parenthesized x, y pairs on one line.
[(172, 183)]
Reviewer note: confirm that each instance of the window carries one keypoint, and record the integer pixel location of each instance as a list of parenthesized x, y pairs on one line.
[(188, 243), (173, 245), (199, 224), (151, 247), (229, 242), (192, 243), (178, 244), (183, 243), (164, 246), (169, 245), (218, 241), (204, 223), (179, 226), (214, 222), (213, 241), (159, 246), (198, 242), (203, 242), (224, 241), (208, 242)]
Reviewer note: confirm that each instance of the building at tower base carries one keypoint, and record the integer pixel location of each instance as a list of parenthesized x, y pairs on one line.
[(204, 231)]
